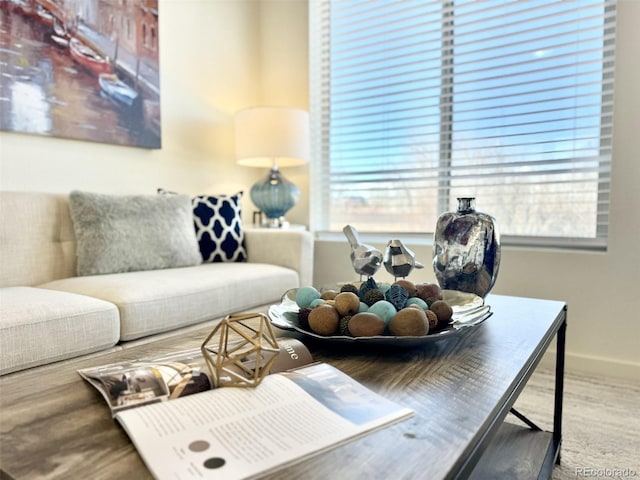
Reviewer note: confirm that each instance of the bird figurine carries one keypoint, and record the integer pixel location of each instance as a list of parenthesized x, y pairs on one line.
[(399, 260), (366, 260)]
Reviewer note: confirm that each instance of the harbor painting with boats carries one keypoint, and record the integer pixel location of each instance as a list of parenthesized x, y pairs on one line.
[(81, 69)]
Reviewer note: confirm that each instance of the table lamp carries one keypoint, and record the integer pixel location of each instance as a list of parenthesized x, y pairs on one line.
[(272, 137)]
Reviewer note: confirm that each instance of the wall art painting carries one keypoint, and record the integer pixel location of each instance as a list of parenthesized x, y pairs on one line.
[(81, 69)]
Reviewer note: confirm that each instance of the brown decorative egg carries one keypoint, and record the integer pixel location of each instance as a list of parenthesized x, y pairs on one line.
[(328, 295), (429, 292), (409, 322), (347, 303), (410, 287), (366, 324), (324, 319), (443, 311)]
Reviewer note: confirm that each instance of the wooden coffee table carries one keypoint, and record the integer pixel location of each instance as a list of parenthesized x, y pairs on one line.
[(56, 425)]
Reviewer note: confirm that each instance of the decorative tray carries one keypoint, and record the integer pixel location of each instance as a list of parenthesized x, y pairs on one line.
[(469, 311)]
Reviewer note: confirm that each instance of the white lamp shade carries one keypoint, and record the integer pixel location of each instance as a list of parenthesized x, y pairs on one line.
[(267, 136)]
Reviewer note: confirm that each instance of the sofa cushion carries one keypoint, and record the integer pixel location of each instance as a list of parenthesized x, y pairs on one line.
[(37, 243), (132, 232), (157, 301), (218, 224), (39, 326)]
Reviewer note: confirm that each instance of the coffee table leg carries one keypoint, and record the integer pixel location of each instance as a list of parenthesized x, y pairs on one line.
[(559, 389)]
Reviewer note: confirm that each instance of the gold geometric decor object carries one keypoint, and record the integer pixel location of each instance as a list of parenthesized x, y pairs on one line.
[(242, 362)]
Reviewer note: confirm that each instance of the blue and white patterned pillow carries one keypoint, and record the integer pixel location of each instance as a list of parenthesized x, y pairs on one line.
[(218, 225)]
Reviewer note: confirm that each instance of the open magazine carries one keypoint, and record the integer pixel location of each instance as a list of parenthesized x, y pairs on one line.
[(144, 381), (238, 433)]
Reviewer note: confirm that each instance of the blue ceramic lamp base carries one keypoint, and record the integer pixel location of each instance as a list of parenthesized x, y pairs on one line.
[(274, 196)]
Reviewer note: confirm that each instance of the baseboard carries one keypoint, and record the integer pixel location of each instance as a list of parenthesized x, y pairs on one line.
[(591, 365)]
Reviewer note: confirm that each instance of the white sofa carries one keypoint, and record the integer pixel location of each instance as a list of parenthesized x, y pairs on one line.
[(48, 313)]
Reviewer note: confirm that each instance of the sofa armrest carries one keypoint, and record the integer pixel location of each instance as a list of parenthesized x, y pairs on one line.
[(287, 248)]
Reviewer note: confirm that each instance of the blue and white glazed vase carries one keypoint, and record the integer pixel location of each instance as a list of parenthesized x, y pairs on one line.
[(466, 250)]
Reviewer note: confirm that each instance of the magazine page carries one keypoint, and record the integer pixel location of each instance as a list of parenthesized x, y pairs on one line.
[(236, 433), (150, 380)]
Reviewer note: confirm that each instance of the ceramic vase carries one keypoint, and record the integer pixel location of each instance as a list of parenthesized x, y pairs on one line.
[(466, 249)]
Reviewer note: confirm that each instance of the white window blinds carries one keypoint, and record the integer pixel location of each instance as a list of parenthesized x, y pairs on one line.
[(418, 102)]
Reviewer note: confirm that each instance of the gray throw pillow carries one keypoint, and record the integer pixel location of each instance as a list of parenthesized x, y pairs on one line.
[(126, 233)]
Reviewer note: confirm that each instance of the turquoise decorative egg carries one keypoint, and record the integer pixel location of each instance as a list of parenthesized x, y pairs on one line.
[(306, 295), (384, 309), (316, 302), (418, 301), (363, 307)]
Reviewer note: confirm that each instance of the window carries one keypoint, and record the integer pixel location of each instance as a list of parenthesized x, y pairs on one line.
[(417, 102)]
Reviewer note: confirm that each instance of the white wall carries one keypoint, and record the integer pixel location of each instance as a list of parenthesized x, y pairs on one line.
[(218, 56)]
